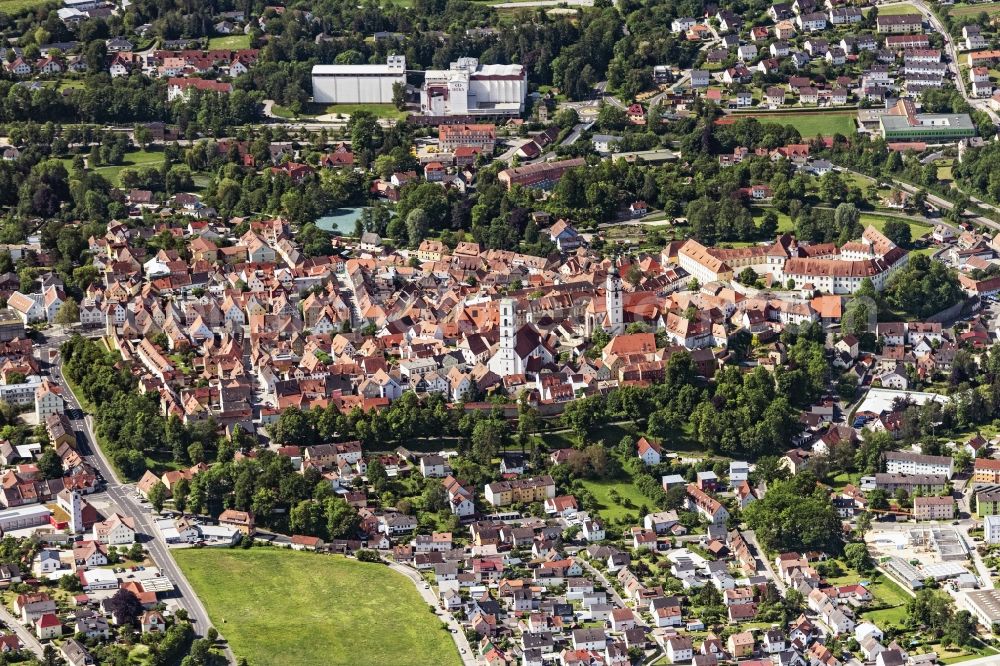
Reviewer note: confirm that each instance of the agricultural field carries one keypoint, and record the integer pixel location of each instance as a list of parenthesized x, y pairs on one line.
[(278, 606), (975, 10)]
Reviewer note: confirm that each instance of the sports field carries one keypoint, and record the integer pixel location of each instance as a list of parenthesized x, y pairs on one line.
[(811, 124)]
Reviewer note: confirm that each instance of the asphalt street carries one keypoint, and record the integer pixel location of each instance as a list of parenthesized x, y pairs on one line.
[(125, 497)]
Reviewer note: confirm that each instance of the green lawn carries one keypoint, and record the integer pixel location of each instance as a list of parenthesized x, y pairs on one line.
[(953, 655), (133, 159), (889, 598), (278, 606), (878, 221), (233, 42), (811, 124), (17, 6), (785, 224), (612, 510), (379, 110), (894, 10)]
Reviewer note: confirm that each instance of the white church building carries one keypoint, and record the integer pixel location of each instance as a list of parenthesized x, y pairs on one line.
[(522, 348)]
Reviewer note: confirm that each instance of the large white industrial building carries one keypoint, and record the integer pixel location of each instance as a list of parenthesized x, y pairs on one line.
[(358, 84), (468, 88)]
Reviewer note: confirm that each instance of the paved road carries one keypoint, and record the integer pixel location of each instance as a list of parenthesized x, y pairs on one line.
[(122, 495), (938, 26), (457, 633), (751, 539), (578, 129), (543, 3), (608, 587), (27, 638), (965, 525), (938, 202)]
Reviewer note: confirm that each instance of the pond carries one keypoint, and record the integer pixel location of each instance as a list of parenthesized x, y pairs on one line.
[(340, 221)]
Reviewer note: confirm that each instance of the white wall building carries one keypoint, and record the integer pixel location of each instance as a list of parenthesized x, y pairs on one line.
[(904, 462), (468, 88), (991, 529), (358, 84)]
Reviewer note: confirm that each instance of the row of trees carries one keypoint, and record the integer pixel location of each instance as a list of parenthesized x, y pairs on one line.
[(128, 423)]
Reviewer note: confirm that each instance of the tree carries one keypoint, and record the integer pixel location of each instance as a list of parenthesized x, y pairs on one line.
[(963, 459), (293, 427), (181, 491), (856, 556), (307, 518), (416, 226), (68, 313), (794, 515), (611, 118), (489, 437), (142, 136), (70, 583), (898, 231), (832, 188), (399, 95), (747, 276), (878, 499), (125, 607), (50, 465), (341, 519), (924, 287), (264, 500), (847, 219), (157, 496), (960, 629), (377, 476)]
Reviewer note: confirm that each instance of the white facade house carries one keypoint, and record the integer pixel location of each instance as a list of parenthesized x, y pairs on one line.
[(48, 401), (358, 84), (991, 529), (118, 530), (904, 462)]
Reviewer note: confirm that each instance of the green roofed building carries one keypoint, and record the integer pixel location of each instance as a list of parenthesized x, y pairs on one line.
[(905, 124)]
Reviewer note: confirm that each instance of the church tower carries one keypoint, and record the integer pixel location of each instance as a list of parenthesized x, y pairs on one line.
[(75, 513), (506, 361), (614, 303)]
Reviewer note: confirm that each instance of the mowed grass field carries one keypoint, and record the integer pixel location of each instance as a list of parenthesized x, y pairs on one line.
[(284, 607), (889, 598), (378, 110), (878, 221), (811, 124), (133, 160), (17, 6), (615, 510), (233, 42), (895, 10)]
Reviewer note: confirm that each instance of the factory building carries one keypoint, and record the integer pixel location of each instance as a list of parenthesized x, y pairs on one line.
[(468, 88), (358, 84)]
